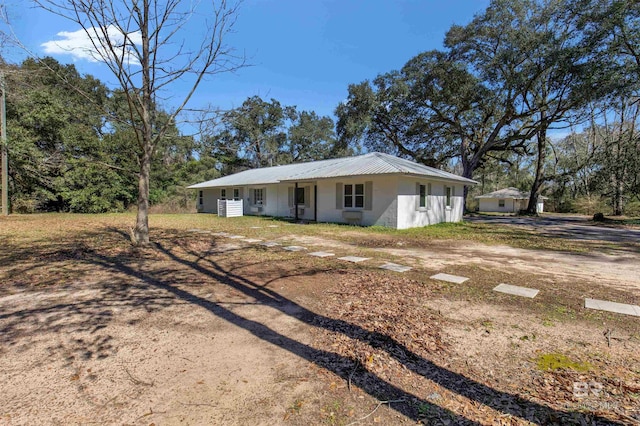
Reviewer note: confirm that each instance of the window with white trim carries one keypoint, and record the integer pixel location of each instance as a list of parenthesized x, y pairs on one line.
[(236, 194), (354, 195), (423, 196), (258, 196), (200, 197), (448, 192), (223, 194), (500, 203)]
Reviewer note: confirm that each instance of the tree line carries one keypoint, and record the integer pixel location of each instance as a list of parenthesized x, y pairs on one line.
[(70, 153), (503, 84), (538, 94)]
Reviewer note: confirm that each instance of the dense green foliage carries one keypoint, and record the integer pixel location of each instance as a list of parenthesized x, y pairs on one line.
[(69, 153)]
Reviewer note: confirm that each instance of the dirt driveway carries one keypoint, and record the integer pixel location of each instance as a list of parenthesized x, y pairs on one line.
[(200, 329), (564, 226)]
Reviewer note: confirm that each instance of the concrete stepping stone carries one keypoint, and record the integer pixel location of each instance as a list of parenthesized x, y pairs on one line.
[(256, 227), (395, 267), (236, 237), (270, 244), (294, 248), (199, 231), (221, 234), (251, 240), (321, 254), (273, 226), (618, 308), (517, 290), (354, 259), (449, 278)]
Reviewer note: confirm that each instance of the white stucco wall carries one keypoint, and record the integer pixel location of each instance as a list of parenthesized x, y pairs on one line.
[(384, 211), (411, 215), (210, 200), (492, 205), (393, 203)]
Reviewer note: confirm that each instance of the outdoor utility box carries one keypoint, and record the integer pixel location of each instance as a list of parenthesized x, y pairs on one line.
[(230, 208), (353, 217)]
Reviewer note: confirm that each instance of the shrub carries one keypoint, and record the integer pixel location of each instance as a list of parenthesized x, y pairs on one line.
[(598, 217)]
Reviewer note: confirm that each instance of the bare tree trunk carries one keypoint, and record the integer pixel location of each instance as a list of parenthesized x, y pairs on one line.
[(141, 232), (532, 207)]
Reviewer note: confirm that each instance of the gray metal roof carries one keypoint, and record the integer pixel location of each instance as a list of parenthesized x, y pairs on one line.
[(509, 193), (374, 163)]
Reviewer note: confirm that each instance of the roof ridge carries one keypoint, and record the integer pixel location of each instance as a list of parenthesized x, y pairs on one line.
[(387, 157)]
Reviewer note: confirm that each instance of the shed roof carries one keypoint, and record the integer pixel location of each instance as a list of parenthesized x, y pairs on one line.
[(509, 193), (374, 163)]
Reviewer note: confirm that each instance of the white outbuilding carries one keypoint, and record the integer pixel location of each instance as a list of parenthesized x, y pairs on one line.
[(370, 189), (507, 200)]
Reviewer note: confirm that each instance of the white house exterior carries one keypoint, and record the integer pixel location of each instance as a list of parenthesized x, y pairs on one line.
[(507, 200), (370, 189)]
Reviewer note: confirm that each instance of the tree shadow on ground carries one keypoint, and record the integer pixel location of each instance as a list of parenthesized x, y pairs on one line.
[(133, 285)]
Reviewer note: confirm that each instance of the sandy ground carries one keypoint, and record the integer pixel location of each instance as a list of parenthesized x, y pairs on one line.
[(224, 338), (620, 270), (141, 355)]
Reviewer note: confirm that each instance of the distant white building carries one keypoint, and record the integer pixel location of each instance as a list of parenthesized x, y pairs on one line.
[(507, 200), (370, 189)]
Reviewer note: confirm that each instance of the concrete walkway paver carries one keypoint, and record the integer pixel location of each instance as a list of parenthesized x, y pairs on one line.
[(270, 244), (221, 234), (294, 248), (321, 254), (449, 278), (395, 267), (354, 259), (251, 240), (517, 290), (619, 308)]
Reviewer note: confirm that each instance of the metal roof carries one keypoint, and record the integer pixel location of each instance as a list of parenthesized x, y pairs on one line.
[(374, 163), (510, 192)]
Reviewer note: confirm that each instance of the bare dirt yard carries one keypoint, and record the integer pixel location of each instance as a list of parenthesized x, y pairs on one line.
[(204, 329)]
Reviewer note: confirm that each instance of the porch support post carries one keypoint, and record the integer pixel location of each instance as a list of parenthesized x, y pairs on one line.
[(295, 200)]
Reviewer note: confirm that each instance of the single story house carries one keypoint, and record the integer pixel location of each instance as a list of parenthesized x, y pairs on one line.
[(369, 189), (507, 200)]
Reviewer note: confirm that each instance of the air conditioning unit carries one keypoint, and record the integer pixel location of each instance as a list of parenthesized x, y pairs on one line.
[(292, 211), (256, 209)]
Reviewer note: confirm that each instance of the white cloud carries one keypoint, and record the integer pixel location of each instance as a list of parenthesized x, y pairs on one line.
[(78, 44)]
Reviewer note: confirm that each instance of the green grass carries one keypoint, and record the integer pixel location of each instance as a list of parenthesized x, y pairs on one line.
[(374, 236), (556, 361)]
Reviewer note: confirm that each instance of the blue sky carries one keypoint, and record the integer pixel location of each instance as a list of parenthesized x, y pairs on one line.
[(304, 52)]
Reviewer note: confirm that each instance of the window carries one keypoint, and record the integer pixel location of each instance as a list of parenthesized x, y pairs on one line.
[(236, 194), (299, 196), (500, 203), (354, 195), (258, 195), (448, 191), (423, 192), (200, 197), (223, 194)]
